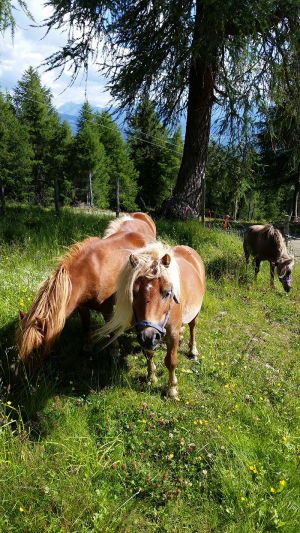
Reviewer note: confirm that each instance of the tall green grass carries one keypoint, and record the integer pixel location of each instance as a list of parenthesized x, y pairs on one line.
[(87, 446)]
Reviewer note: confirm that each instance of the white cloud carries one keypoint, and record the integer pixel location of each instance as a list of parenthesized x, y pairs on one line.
[(31, 47)]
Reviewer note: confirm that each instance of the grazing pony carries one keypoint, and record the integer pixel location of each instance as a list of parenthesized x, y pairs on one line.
[(84, 279), (266, 243), (160, 289)]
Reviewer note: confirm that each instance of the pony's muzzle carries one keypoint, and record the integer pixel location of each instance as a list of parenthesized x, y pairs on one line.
[(149, 338)]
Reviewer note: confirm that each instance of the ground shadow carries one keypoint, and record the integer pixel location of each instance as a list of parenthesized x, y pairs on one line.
[(68, 371)]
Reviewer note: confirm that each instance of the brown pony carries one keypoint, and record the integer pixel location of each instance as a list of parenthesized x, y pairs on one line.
[(266, 243), (160, 289), (85, 279)]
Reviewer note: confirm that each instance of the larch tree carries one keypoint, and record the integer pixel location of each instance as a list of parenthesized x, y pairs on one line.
[(7, 19), (190, 55)]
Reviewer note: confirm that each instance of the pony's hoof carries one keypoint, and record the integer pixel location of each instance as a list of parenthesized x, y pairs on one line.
[(172, 392), (152, 380), (193, 354), (192, 357)]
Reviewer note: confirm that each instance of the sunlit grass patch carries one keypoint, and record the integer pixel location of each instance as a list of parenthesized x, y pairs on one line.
[(87, 445)]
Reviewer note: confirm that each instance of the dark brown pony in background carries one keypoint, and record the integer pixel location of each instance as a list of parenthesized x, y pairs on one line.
[(266, 243), (160, 290), (85, 279)]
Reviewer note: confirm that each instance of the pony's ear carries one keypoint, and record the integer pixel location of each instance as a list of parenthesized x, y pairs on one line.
[(134, 260), (176, 300), (21, 314), (166, 260)]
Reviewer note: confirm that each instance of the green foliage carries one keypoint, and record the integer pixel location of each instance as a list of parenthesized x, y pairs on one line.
[(7, 19), (90, 161), (35, 110), (225, 54), (15, 154), (156, 157), (120, 166), (87, 446)]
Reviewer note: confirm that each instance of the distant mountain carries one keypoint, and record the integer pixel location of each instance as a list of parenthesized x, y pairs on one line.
[(70, 112), (71, 119)]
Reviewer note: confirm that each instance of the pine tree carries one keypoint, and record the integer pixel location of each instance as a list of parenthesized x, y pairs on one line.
[(121, 169), (35, 111), (190, 55), (58, 164), (15, 155), (90, 162), (150, 151)]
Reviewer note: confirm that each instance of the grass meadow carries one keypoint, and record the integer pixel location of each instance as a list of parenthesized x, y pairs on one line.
[(87, 446)]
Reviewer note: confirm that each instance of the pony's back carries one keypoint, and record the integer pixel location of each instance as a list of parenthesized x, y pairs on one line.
[(264, 242)]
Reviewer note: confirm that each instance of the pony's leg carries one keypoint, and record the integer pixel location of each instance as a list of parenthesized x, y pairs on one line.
[(272, 272), (171, 364), (181, 335), (151, 368), (257, 265), (85, 316), (193, 353)]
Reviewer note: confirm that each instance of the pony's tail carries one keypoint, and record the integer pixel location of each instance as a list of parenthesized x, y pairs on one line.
[(46, 318)]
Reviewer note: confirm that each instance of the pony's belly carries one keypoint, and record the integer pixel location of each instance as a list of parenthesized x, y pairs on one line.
[(190, 311)]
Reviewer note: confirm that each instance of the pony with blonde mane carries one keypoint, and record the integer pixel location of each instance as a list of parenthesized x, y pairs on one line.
[(85, 279), (160, 289), (266, 243)]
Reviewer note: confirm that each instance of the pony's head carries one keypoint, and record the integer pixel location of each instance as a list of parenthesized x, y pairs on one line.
[(284, 270), (147, 288), (153, 294)]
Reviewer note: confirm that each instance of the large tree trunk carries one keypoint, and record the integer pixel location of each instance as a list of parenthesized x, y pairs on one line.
[(294, 216), (187, 194)]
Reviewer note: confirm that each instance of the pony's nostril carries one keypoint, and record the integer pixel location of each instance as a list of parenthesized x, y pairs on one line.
[(157, 336)]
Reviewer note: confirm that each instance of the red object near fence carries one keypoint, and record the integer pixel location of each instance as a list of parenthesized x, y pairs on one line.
[(226, 222)]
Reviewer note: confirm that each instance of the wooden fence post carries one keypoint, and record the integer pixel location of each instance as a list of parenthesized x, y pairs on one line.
[(286, 228)]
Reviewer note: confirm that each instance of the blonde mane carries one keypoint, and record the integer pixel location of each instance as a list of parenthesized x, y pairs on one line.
[(115, 225), (152, 253), (47, 314)]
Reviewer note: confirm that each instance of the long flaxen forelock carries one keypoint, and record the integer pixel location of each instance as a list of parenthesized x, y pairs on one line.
[(151, 253), (47, 315)]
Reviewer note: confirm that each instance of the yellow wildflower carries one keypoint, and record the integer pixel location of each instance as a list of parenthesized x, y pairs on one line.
[(272, 490), (253, 469), (282, 483), (171, 456), (243, 498), (9, 402), (22, 510)]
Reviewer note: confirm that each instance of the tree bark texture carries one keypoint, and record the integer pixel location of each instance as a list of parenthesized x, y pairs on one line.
[(187, 193)]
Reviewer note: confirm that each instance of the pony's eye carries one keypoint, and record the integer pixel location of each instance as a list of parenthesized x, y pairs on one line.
[(167, 293)]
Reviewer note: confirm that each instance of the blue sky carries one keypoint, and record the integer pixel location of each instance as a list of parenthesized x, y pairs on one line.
[(30, 48)]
